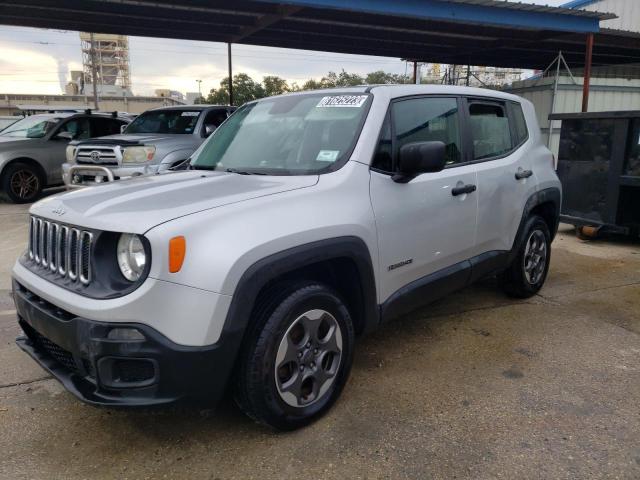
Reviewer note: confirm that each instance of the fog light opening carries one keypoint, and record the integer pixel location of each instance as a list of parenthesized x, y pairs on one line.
[(125, 334)]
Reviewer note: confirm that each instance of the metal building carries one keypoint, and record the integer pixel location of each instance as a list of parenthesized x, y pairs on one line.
[(628, 12), (612, 87)]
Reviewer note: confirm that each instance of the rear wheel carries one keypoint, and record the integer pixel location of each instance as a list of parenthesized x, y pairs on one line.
[(21, 183), (528, 271), (297, 357)]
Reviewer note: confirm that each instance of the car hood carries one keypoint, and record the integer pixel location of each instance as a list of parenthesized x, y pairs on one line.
[(138, 204), (142, 138)]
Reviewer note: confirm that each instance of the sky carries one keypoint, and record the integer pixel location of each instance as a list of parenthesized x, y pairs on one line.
[(37, 61)]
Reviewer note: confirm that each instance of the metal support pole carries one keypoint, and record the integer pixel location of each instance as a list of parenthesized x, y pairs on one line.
[(553, 97), (94, 74), (468, 74), (230, 74), (415, 72), (587, 73)]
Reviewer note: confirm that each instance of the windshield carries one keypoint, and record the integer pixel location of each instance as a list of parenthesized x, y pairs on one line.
[(290, 135), (31, 127), (165, 121)]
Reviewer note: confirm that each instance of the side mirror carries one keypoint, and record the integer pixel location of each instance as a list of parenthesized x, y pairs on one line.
[(123, 127), (419, 157), (67, 136), (209, 129)]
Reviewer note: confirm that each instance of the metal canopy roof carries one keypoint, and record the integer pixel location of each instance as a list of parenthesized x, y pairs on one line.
[(477, 32)]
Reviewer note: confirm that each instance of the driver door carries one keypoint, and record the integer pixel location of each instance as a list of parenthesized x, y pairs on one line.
[(426, 230)]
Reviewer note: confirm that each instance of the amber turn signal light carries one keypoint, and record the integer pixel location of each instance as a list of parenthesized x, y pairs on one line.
[(177, 251)]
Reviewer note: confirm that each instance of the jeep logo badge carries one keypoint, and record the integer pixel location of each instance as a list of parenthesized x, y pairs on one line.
[(59, 211), (95, 156)]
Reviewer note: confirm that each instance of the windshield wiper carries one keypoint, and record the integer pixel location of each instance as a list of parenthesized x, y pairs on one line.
[(200, 167), (243, 172)]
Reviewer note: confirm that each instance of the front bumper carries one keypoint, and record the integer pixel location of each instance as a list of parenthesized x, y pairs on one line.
[(81, 175), (103, 371)]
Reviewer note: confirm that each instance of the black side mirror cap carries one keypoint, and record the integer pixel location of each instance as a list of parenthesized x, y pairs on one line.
[(419, 157)]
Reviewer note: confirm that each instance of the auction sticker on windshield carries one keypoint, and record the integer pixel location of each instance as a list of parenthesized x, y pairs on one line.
[(343, 101)]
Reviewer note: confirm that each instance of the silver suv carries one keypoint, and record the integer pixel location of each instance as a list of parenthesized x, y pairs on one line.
[(156, 141), (305, 221), (32, 149)]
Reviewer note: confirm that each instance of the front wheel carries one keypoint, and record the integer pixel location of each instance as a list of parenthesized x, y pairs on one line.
[(528, 271), (297, 357)]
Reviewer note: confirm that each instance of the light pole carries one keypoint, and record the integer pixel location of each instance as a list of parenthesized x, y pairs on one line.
[(199, 91)]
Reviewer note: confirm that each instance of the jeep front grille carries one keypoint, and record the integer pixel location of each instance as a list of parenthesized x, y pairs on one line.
[(62, 249)]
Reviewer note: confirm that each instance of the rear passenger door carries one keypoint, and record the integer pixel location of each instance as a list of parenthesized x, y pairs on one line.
[(423, 227), (499, 143)]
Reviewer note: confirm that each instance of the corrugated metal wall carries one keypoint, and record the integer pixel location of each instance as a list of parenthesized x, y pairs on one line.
[(607, 94), (628, 12)]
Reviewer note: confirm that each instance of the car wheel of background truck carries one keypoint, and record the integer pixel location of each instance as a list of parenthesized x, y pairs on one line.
[(21, 183), (527, 273), (297, 357)]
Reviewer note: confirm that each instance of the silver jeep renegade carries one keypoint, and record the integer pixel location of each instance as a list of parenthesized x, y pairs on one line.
[(303, 222)]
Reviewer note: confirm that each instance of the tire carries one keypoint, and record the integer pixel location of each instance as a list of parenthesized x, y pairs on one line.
[(311, 374), (528, 271), (21, 183)]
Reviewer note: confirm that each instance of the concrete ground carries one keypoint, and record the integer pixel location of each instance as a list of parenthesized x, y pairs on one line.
[(475, 386)]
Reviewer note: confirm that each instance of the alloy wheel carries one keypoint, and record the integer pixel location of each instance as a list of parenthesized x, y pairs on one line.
[(308, 358), (535, 257), (24, 184)]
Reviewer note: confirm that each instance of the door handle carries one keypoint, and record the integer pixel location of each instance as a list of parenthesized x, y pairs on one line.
[(464, 189), (520, 174)]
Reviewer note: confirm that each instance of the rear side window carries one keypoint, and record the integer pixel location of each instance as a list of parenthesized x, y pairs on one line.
[(490, 130), (427, 120), (519, 123), (101, 127)]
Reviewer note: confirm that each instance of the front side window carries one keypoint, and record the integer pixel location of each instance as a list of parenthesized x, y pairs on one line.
[(289, 135), (78, 128), (36, 126), (165, 122), (427, 120), (490, 131)]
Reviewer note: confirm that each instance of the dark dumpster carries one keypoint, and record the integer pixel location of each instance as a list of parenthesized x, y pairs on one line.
[(599, 167)]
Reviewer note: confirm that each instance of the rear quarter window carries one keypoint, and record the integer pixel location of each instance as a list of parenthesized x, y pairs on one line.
[(519, 123)]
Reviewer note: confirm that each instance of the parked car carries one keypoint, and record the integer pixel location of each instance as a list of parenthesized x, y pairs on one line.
[(304, 221), (32, 149), (157, 140)]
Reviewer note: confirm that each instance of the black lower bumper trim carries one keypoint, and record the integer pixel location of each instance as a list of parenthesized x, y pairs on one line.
[(103, 371)]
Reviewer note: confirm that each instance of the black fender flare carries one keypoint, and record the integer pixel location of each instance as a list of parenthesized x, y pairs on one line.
[(258, 275), (551, 195)]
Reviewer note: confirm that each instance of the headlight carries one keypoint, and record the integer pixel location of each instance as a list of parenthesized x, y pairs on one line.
[(131, 256), (138, 154), (71, 153)]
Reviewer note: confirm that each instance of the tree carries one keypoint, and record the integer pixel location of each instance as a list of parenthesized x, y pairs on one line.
[(379, 77), (273, 85), (312, 84), (245, 89)]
